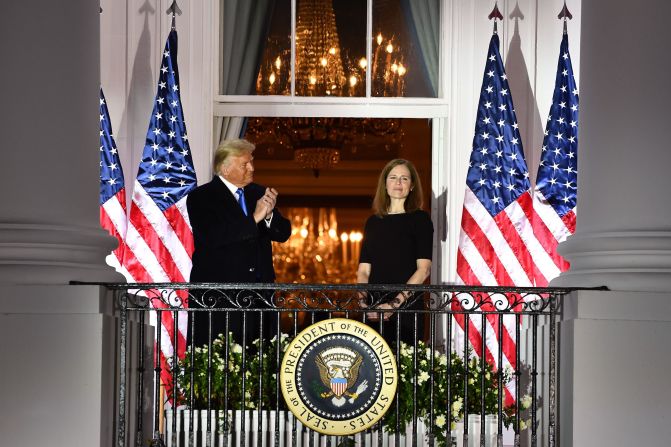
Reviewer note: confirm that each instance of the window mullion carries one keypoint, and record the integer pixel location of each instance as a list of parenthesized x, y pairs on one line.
[(293, 48), (369, 45)]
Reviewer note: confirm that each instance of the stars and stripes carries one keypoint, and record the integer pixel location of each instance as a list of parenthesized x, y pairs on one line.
[(338, 385), (159, 236), (497, 246), (556, 191), (112, 188)]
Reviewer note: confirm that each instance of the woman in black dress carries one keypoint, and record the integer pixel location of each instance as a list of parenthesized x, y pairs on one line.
[(396, 249)]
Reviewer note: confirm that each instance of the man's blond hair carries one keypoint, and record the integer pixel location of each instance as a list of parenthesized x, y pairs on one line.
[(230, 148)]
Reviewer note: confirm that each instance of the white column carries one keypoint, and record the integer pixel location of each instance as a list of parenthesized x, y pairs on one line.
[(56, 341), (615, 344), (49, 230), (614, 358), (623, 235)]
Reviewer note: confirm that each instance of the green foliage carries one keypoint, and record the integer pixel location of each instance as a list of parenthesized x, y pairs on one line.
[(270, 366), (417, 375), (419, 372), (226, 376)]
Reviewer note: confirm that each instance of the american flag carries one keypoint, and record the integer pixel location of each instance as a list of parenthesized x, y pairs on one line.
[(497, 246), (556, 191), (112, 188), (159, 237)]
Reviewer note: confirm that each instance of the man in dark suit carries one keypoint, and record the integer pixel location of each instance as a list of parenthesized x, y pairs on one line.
[(234, 222)]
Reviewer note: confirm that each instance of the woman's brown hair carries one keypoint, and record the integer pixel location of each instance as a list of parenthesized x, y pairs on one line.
[(382, 201)]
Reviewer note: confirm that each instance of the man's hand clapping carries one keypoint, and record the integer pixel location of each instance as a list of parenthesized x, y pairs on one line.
[(265, 205)]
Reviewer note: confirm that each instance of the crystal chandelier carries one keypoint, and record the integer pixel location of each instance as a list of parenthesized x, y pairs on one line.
[(319, 65), (317, 143), (322, 70), (317, 158), (316, 251)]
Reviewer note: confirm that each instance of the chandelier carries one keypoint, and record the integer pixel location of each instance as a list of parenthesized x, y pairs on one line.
[(317, 143), (316, 252), (319, 65), (322, 70)]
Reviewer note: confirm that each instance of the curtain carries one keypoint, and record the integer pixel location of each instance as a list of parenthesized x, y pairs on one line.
[(424, 23), (228, 127), (245, 29)]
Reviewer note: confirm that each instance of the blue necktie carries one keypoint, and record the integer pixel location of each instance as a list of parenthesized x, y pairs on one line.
[(241, 200)]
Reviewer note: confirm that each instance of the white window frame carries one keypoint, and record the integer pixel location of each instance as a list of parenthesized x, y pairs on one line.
[(328, 106)]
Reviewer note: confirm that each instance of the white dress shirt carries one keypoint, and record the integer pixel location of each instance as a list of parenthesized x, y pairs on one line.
[(234, 190)]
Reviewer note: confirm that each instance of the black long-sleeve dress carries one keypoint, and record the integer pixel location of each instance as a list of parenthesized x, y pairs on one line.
[(392, 245)]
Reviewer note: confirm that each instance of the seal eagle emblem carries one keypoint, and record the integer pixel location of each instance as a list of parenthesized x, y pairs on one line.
[(338, 376), (339, 370)]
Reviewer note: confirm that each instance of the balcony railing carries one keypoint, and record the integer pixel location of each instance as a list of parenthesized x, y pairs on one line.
[(227, 389)]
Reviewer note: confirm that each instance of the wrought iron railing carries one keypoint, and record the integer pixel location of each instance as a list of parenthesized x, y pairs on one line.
[(434, 334)]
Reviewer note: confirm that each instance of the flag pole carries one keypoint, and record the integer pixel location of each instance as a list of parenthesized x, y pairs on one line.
[(164, 178), (566, 15), (496, 15), (161, 408), (173, 9)]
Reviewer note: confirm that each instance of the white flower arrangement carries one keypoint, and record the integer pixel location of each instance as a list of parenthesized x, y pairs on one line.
[(438, 378), (427, 377)]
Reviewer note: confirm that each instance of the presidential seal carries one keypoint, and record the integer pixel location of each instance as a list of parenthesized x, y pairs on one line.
[(338, 376)]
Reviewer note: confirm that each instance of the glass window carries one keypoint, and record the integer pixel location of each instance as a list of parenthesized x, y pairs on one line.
[(274, 77), (244, 38), (330, 48), (330, 40), (405, 48)]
